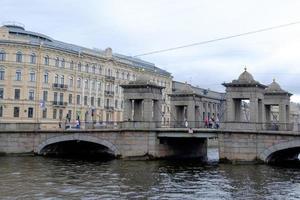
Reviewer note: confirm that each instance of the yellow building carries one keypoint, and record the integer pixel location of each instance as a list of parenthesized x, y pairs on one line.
[(44, 80)]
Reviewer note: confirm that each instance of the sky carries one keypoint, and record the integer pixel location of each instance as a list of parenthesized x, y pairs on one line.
[(134, 27)]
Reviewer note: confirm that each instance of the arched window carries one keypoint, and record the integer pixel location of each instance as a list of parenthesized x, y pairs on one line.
[(79, 83), (56, 62), (46, 77), (86, 84), (33, 58), (2, 73), (18, 75), (32, 76), (99, 86), (31, 95), (62, 79), (46, 60), (63, 62), (93, 85), (87, 68), (71, 81), (56, 79), (72, 65), (19, 56), (79, 67), (2, 55)]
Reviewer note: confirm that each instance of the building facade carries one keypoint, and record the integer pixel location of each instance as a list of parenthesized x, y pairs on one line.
[(43, 80)]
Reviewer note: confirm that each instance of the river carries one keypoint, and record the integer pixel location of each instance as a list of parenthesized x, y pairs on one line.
[(27, 177)]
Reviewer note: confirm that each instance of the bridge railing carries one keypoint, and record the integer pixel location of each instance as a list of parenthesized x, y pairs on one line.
[(29, 126), (270, 126)]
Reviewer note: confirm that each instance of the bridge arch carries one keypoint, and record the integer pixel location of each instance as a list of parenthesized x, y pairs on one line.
[(284, 150), (77, 137)]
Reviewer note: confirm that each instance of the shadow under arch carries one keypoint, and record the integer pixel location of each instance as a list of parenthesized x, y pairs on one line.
[(41, 148), (283, 151)]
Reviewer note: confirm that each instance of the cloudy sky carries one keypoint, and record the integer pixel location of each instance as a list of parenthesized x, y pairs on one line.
[(133, 27)]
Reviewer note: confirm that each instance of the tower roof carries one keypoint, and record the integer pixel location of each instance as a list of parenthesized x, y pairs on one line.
[(274, 88), (245, 80)]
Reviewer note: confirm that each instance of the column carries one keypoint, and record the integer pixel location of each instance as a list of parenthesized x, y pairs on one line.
[(191, 114), (157, 104), (127, 110)]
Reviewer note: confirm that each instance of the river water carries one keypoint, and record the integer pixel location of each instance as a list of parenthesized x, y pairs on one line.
[(57, 178)]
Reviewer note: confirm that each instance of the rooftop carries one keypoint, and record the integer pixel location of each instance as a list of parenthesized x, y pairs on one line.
[(38, 39)]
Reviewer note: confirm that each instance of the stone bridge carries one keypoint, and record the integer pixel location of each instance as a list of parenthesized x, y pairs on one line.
[(234, 145), (120, 143)]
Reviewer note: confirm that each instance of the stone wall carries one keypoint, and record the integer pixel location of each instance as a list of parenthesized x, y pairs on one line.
[(247, 146), (124, 143)]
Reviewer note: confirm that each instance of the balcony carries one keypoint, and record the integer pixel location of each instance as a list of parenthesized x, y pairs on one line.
[(59, 104), (58, 86), (109, 78), (109, 93), (109, 108)]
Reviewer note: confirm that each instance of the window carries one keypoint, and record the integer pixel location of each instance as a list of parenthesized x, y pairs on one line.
[(55, 96), (56, 79), (18, 75), (86, 68), (99, 86), (63, 63), (44, 113), (46, 77), (99, 102), (61, 97), (1, 93), (2, 55), (92, 101), (70, 81), (85, 100), (33, 58), (19, 56), (116, 103), (2, 74), (100, 70), (78, 99), (93, 85), (60, 114), (1, 111), (46, 60), (32, 76), (123, 75), (128, 76), (16, 111), (122, 104), (118, 74), (45, 95), (56, 62), (70, 98), (79, 67), (17, 94), (30, 112), (86, 84), (94, 69), (72, 65), (62, 79), (31, 95), (79, 83), (54, 113)]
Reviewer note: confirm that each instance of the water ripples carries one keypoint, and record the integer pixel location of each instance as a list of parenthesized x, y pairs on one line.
[(49, 178)]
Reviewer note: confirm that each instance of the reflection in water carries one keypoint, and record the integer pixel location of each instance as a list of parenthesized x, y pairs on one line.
[(42, 178)]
